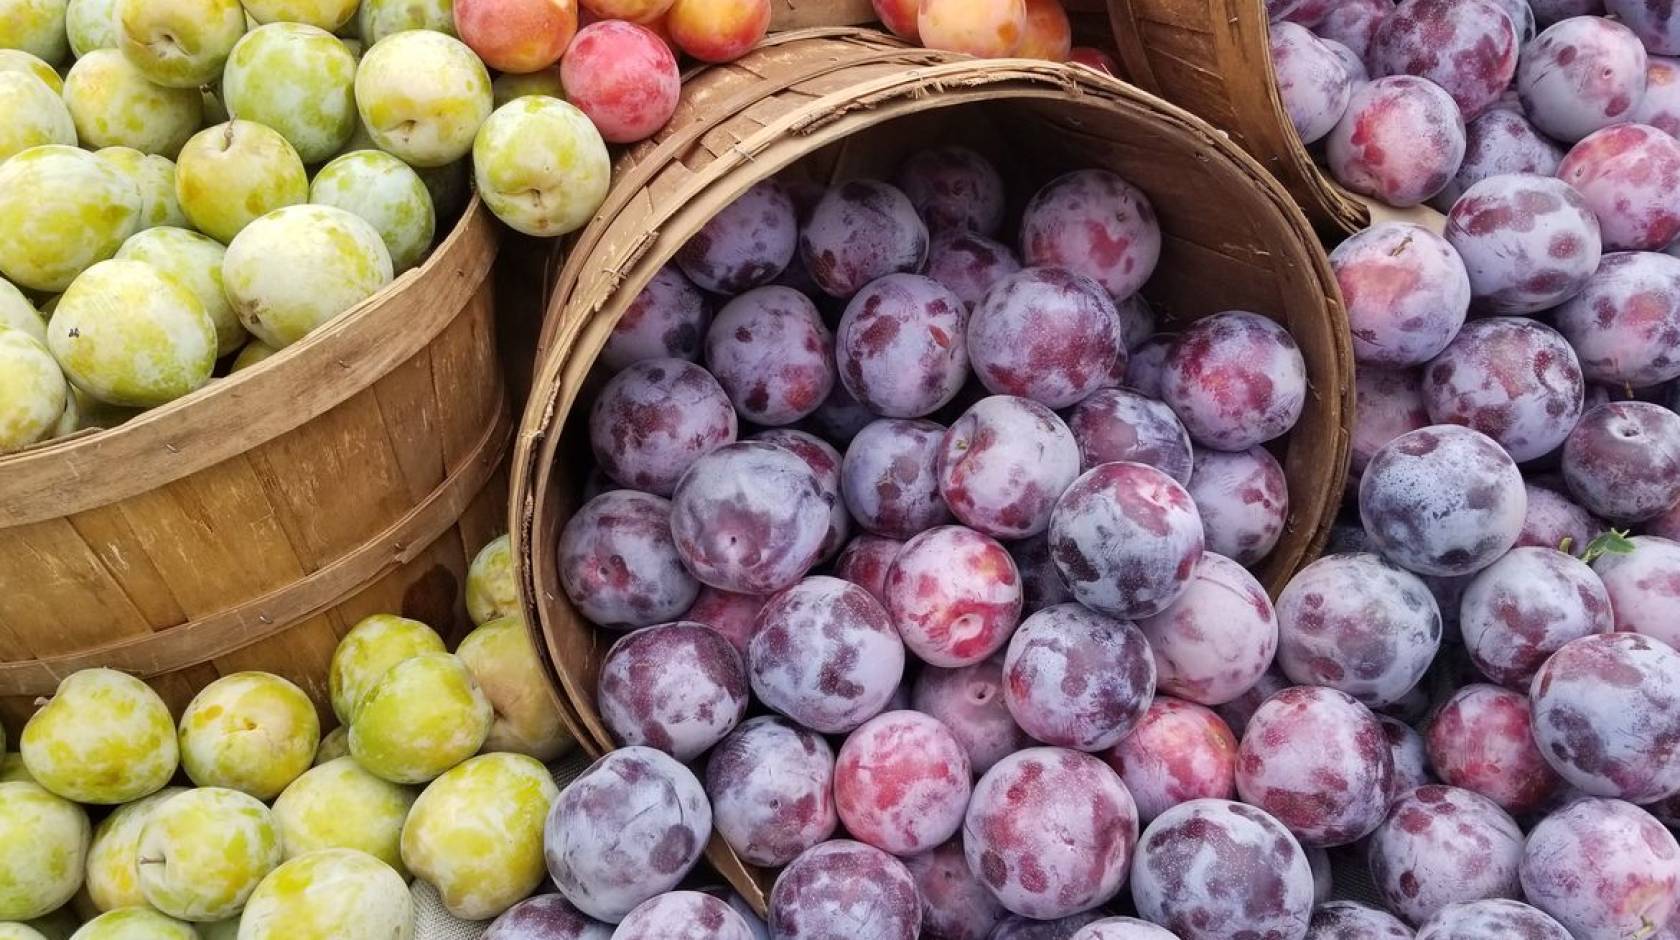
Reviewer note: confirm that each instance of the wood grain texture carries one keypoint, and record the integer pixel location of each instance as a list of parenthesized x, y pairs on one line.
[(829, 104)]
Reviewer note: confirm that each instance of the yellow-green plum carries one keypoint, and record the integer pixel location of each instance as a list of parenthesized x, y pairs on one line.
[(179, 43), (220, 930), (339, 805), (17, 313), (229, 175), (203, 852), (424, 716), (32, 390), (12, 769), (329, 15), (36, 27), (298, 80), (90, 412), (511, 85), (104, 738), (43, 847), (449, 185), (114, 105), (154, 176), (335, 743), (16, 60), (61, 210), (196, 261), (502, 659), (423, 95), (215, 112), (368, 651), (91, 24), (295, 268), (15, 931), (113, 873), (251, 731), (376, 19), (387, 194), (31, 114), (333, 894), (491, 593), (130, 335), (253, 352), (476, 834), (135, 923), (541, 166)]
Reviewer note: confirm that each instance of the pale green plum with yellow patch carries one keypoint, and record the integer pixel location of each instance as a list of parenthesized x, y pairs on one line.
[(367, 652), (476, 834), (154, 176), (333, 894), (330, 15), (31, 115), (36, 27), (339, 805), (113, 872), (61, 210), (387, 194), (104, 738), (491, 592), (253, 352), (135, 923), (541, 166), (424, 716), (423, 95), (114, 105), (15, 931), (334, 744), (179, 43), (511, 85), (196, 261), (43, 847), (88, 412), (202, 853), (376, 19), (298, 80), (91, 24), (16, 60), (32, 390), (296, 268), (131, 335), (12, 769), (251, 731), (234, 173), (17, 313), (504, 662)]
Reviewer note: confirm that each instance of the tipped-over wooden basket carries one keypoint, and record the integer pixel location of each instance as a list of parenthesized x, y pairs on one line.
[(252, 523), (846, 103)]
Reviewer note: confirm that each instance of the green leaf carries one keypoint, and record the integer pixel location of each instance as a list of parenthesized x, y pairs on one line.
[(1612, 542)]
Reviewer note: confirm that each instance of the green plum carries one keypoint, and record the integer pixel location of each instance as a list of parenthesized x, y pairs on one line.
[(333, 894), (104, 738), (179, 43), (541, 166), (114, 105), (31, 115), (251, 731), (203, 852), (154, 176), (387, 194), (130, 335), (298, 267), (229, 175), (423, 95), (61, 210), (424, 716), (135, 923), (36, 27), (196, 261), (113, 861), (338, 805), (372, 647), (376, 19), (32, 390), (298, 80), (43, 847), (91, 24)]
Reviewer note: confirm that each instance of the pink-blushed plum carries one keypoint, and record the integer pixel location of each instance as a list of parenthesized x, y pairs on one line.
[(1524, 607), (1529, 242), (667, 320), (900, 346), (1622, 460), (1078, 679), (1359, 624), (902, 782), (1049, 34), (746, 245), (731, 614), (684, 915), (1555, 521), (954, 188), (970, 702), (1146, 368), (627, 829), (1045, 333), (1050, 831), (988, 29), (1603, 868), (1629, 174), (749, 517), (1515, 380), (865, 561), (619, 564), (1354, 24), (678, 687), (1312, 81), (1625, 324), (518, 36), (899, 17), (546, 917), (1479, 739), (1411, 758), (1581, 74), (654, 419), (1499, 141), (954, 596), (1388, 403), (772, 353), (1236, 379), (955, 904), (1406, 293), (1179, 751), (1468, 47), (890, 477), (1120, 424), (843, 890), (1606, 714), (1495, 917), (1243, 499), (826, 655), (718, 30), (968, 263), (1657, 24), (859, 231), (825, 462), (1644, 586), (1522, 17), (1318, 761), (1214, 869), (1216, 639), (1443, 845), (1400, 140), (1443, 500), (624, 77), (1126, 539), (1004, 463), (1660, 107), (1094, 223), (771, 784), (1350, 920)]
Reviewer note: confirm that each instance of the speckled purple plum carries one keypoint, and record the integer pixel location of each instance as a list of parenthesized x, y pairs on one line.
[(900, 346), (1581, 74), (954, 188), (1644, 587), (843, 890), (654, 419), (1555, 521), (1354, 23), (1411, 759), (1235, 379), (620, 566), (825, 462), (1606, 712), (772, 353), (1350, 920), (678, 687), (1622, 460), (1443, 500), (1312, 81), (890, 477), (902, 782), (1468, 47), (1123, 928), (1026, 928), (954, 596), (969, 701), (746, 245), (1406, 293), (1216, 639), (1498, 917), (1604, 868), (968, 264), (1443, 845), (730, 614), (1239, 710), (1497, 142), (1178, 752), (840, 416), (1120, 424), (1094, 223), (1078, 679), (1387, 404), (955, 904), (1524, 607), (1513, 379), (1400, 141), (1004, 463), (1045, 333), (683, 915), (826, 655), (1146, 369), (771, 784), (750, 517), (1529, 242), (1480, 739), (666, 321), (1243, 499), (865, 561), (1126, 539), (1660, 107), (1629, 175), (1359, 624), (1318, 761), (1655, 22), (1625, 324), (859, 231), (546, 917)]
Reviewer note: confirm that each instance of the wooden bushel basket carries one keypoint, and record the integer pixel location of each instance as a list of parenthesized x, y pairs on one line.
[(833, 104), (251, 524)]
